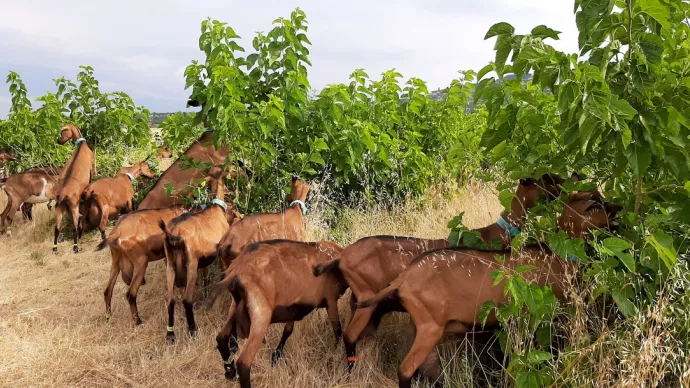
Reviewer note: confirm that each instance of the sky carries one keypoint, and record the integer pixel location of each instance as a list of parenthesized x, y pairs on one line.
[(142, 47)]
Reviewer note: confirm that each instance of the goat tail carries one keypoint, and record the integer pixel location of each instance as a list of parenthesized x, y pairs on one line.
[(387, 293), (229, 283), (330, 267), (173, 240), (108, 242)]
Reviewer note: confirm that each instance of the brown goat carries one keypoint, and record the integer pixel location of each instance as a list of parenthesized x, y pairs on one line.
[(75, 176), (202, 150), (287, 225), (371, 263), (190, 244), (26, 189), (105, 198), (272, 282), (135, 241), (443, 290)]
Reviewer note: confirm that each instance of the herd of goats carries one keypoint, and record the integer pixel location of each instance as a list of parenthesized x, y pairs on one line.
[(273, 275)]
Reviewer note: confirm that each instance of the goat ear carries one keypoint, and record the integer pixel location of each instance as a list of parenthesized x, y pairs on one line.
[(575, 177), (526, 181), (552, 179), (193, 103), (294, 178)]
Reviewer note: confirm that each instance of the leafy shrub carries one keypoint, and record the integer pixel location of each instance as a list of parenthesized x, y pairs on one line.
[(109, 121), (376, 140)]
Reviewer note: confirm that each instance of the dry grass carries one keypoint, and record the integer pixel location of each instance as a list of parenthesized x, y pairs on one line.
[(53, 331)]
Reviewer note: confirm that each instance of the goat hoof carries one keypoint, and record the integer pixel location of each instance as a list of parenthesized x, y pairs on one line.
[(192, 332), (170, 338), (76, 249), (138, 321), (143, 281), (276, 356), (107, 316), (55, 252)]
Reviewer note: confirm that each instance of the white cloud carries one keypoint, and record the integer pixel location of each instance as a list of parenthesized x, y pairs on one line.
[(142, 47)]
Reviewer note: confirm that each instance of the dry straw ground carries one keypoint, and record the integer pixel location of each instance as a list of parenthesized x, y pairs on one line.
[(53, 331)]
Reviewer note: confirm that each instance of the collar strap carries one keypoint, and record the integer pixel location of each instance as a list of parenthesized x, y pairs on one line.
[(130, 176), (572, 258), (207, 129), (301, 204), (220, 203), (510, 229), (79, 141)]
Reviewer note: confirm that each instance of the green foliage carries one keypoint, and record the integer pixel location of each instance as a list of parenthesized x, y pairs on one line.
[(619, 112), (371, 139), (110, 122), (179, 131)]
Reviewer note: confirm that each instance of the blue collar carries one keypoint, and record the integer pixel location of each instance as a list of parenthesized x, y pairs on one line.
[(130, 176), (572, 258), (78, 141), (301, 204), (208, 130), (220, 203), (510, 229)]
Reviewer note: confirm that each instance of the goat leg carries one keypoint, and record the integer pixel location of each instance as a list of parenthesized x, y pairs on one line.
[(426, 339), (139, 271), (334, 318), (188, 300), (58, 226), (278, 352), (227, 343), (108, 293), (75, 223), (170, 277), (358, 322), (260, 316)]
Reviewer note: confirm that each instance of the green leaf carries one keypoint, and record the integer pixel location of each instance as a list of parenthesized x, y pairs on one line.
[(623, 302), (616, 244), (652, 47), (545, 32), (663, 243), (524, 268), (485, 311), (316, 158), (497, 29), (485, 70), (656, 10), (506, 197), (535, 356), (320, 144), (527, 379), (639, 158)]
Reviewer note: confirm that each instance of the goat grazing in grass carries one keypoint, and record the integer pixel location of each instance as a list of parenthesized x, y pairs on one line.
[(371, 263), (272, 282), (444, 290)]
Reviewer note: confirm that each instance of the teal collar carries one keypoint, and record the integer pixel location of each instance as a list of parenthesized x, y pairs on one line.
[(510, 229), (130, 176), (220, 203), (207, 129), (301, 204), (572, 258), (79, 141)]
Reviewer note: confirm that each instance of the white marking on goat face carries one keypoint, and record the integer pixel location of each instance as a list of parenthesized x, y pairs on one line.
[(42, 196)]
